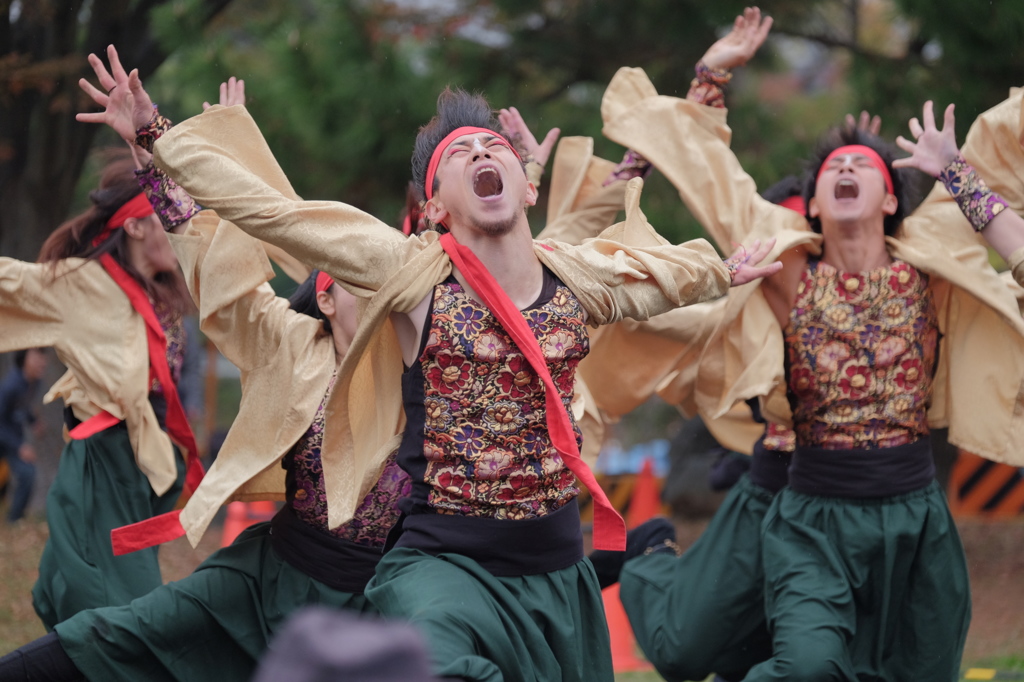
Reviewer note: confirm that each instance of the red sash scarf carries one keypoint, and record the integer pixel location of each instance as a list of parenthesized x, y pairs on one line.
[(165, 527), (609, 528)]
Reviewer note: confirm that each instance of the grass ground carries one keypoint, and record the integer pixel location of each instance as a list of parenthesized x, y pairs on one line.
[(995, 553)]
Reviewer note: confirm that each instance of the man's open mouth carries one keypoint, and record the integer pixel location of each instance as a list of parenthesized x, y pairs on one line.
[(487, 183), (847, 189)]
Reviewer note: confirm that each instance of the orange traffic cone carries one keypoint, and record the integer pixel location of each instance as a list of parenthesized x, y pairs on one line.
[(645, 502), (624, 648)]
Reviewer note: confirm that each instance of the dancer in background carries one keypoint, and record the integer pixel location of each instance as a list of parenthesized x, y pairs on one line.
[(227, 611), (850, 327), (107, 295)]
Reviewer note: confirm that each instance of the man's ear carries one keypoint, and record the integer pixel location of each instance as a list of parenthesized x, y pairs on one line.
[(890, 204), (435, 211), (531, 194), (133, 227)]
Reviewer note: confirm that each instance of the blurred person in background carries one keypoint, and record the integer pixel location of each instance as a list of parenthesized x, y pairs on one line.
[(19, 390)]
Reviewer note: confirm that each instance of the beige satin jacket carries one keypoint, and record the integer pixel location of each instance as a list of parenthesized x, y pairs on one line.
[(979, 382), (221, 159), (79, 310), (995, 147), (630, 361), (285, 357)]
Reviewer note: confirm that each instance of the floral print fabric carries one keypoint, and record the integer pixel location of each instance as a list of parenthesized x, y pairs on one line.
[(778, 438), (174, 331), (169, 201), (861, 350), (978, 203), (306, 493), (486, 442)]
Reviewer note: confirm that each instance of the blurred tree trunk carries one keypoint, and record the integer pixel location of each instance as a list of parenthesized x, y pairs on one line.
[(43, 48)]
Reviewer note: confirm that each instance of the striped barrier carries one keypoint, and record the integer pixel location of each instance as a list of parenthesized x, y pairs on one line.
[(982, 488)]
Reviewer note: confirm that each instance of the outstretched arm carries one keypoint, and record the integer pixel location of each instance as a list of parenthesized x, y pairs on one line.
[(735, 49), (934, 151), (223, 162), (688, 141)]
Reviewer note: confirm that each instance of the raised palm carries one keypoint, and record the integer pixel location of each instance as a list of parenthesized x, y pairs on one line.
[(523, 139), (126, 105), (748, 33)]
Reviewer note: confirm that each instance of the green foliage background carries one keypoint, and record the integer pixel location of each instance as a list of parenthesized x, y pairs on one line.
[(340, 88)]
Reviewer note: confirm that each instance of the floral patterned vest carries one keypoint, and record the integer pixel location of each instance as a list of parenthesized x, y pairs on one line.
[(479, 445), (861, 350), (174, 330), (305, 491)]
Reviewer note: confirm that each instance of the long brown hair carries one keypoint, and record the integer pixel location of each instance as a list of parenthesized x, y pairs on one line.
[(74, 238)]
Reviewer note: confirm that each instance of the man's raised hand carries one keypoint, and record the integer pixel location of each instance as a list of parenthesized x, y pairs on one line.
[(523, 140), (933, 149), (232, 92), (866, 122), (126, 105), (743, 264), (748, 33)]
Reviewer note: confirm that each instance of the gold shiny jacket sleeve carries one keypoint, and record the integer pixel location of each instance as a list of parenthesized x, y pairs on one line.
[(227, 273), (689, 144), (629, 271), (580, 206), (31, 313), (995, 147), (223, 162)]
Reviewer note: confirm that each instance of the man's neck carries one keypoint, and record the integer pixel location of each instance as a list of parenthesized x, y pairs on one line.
[(857, 247), (510, 259)]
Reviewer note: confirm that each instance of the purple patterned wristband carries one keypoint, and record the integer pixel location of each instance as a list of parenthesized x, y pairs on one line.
[(172, 203), (978, 203), (147, 135), (708, 75), (632, 166)]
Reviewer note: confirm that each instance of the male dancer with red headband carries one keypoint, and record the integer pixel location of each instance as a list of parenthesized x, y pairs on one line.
[(464, 361), (864, 573)]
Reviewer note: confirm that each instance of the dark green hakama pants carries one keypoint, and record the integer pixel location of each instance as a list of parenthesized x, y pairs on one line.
[(703, 612), (213, 625), (547, 627), (98, 487), (864, 589)]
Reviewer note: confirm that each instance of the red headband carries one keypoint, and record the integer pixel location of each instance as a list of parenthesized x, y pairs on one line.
[(794, 203), (323, 281), (872, 155), (136, 207), (435, 158)]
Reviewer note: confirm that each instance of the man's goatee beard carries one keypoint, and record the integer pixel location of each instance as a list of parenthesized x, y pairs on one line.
[(497, 228)]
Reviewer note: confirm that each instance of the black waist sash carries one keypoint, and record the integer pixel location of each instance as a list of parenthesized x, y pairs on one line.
[(769, 468), (502, 548), (337, 563), (882, 472)]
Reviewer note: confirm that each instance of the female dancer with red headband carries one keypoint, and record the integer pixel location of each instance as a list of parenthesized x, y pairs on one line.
[(864, 572), (226, 612), (108, 296)]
